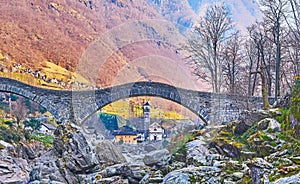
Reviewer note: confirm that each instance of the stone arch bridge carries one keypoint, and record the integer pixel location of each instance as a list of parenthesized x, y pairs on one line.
[(80, 105)]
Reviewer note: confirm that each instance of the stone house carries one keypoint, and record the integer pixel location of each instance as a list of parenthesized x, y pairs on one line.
[(125, 135), (47, 129), (156, 132)]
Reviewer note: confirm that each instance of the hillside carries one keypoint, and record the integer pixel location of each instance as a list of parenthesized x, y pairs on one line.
[(59, 31), (35, 32)]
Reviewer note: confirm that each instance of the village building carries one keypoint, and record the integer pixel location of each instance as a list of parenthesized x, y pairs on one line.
[(156, 132), (125, 135), (141, 136), (47, 129)]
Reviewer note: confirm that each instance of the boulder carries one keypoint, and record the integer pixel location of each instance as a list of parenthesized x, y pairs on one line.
[(122, 170), (13, 170), (289, 180), (176, 177), (196, 153), (108, 153), (269, 124), (158, 158), (77, 153), (6, 144), (250, 117), (241, 128), (25, 152), (238, 175), (259, 162), (149, 148), (231, 151), (50, 167), (203, 174), (258, 168), (134, 173), (114, 179), (71, 155), (134, 158)]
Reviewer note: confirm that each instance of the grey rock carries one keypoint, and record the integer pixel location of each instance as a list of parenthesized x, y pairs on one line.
[(157, 158), (219, 164), (134, 159), (259, 162), (49, 167), (214, 180), (269, 124), (25, 152), (203, 174), (176, 177), (113, 179), (238, 175), (13, 170), (71, 155), (289, 180), (150, 148), (196, 153), (249, 117), (231, 151), (256, 173), (77, 153), (108, 153), (241, 128), (228, 182)]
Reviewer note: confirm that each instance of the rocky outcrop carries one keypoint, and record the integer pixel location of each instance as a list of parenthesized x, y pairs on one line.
[(231, 151), (289, 180), (197, 153), (250, 117), (108, 154), (204, 174), (72, 147), (131, 172), (241, 128), (73, 160), (13, 170), (25, 151), (269, 124), (71, 155), (157, 159)]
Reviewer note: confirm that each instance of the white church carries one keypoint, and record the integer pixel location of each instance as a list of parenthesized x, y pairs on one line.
[(155, 130)]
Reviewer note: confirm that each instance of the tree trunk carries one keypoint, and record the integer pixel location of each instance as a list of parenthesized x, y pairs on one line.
[(277, 70), (264, 92)]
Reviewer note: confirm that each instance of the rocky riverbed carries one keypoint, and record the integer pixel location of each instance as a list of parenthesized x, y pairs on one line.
[(257, 149)]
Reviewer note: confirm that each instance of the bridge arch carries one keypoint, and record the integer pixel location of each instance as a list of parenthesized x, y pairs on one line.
[(185, 98), (44, 97)]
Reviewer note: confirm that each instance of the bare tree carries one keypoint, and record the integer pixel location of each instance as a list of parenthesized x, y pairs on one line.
[(252, 65), (274, 14), (293, 22), (212, 31), (258, 36), (231, 58), (19, 110)]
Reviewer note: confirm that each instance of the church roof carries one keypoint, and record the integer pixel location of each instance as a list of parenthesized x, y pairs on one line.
[(155, 125), (147, 104)]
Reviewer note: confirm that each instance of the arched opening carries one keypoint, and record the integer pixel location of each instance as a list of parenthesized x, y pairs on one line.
[(126, 119)]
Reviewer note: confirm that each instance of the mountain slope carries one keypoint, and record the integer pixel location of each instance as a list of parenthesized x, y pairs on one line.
[(61, 31)]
